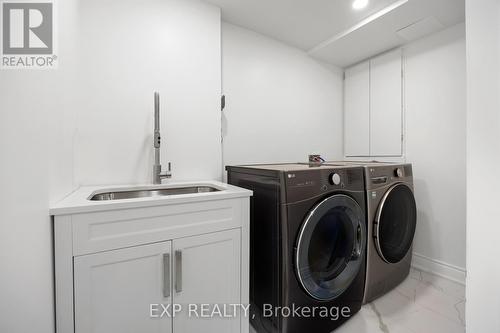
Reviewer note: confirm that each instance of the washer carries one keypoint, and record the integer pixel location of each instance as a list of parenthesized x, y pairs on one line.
[(307, 244), (392, 219)]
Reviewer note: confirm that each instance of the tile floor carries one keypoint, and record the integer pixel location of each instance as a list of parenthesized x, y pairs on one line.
[(423, 303)]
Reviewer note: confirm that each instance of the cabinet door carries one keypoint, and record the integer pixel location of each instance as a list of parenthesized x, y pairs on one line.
[(386, 105), (114, 290), (207, 271), (357, 110)]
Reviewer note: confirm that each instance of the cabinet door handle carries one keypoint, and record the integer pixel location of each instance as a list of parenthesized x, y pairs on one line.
[(178, 271), (166, 275)]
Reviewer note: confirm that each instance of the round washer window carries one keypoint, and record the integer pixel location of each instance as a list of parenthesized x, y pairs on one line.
[(396, 221), (330, 247)]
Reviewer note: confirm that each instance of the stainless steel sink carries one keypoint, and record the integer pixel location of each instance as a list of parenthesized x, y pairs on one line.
[(153, 192)]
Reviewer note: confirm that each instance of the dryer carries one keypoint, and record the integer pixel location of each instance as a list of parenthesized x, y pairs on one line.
[(392, 220), (308, 244)]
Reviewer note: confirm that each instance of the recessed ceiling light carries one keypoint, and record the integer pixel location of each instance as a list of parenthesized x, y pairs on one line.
[(360, 4)]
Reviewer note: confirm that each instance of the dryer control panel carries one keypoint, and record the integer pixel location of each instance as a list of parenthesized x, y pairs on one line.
[(382, 176)]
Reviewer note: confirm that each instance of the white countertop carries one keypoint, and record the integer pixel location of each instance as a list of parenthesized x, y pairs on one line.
[(78, 201)]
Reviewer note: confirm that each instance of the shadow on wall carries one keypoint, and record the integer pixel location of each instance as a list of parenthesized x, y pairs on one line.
[(424, 235)]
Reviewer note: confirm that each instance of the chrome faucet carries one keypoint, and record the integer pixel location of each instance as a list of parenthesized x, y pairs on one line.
[(157, 174)]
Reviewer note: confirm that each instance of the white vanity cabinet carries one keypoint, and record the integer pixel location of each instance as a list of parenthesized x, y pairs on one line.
[(210, 274), (373, 107), (117, 263), (114, 289)]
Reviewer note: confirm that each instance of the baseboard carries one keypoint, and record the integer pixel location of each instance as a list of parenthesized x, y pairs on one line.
[(439, 268)]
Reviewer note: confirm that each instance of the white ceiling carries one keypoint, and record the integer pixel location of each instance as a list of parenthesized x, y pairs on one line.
[(307, 24)]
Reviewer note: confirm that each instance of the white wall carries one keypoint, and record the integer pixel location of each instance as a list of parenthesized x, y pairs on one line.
[(483, 160), (90, 122), (281, 105), (36, 128), (128, 50), (435, 84)]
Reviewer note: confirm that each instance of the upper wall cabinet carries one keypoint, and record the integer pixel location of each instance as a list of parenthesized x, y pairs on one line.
[(122, 269), (373, 107), (357, 110), (386, 105)]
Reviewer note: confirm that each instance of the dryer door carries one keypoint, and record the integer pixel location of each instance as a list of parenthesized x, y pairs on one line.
[(395, 223), (331, 247)]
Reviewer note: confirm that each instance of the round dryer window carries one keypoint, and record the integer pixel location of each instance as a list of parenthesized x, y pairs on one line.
[(395, 223), (330, 247)]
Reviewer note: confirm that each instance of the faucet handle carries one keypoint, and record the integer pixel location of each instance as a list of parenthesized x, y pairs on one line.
[(168, 173), (157, 139)]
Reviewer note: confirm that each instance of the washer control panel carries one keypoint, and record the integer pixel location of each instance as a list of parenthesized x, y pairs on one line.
[(308, 183), (335, 179)]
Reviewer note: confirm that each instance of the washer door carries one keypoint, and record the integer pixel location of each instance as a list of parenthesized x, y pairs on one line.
[(395, 223), (330, 247)]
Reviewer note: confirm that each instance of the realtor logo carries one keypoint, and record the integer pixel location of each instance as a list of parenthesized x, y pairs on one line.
[(28, 35)]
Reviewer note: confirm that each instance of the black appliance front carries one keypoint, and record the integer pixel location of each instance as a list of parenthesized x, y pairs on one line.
[(328, 252), (308, 255), (266, 282), (324, 261), (395, 223)]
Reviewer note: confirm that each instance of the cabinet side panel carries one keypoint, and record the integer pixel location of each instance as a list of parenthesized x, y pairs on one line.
[(245, 260), (63, 253)]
